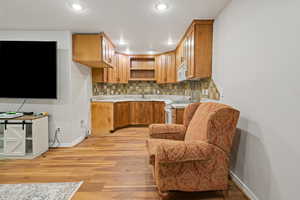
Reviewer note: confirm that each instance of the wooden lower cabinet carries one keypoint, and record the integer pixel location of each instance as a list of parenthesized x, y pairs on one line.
[(107, 117), (141, 113), (102, 118), (158, 109), (121, 114), (177, 115)]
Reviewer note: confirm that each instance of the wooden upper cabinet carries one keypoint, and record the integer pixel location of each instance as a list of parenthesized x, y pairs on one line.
[(171, 68), (93, 50), (108, 51), (159, 70), (166, 68), (117, 74), (123, 68), (195, 49), (100, 75)]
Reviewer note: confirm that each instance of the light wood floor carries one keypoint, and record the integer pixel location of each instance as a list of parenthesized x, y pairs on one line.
[(113, 167)]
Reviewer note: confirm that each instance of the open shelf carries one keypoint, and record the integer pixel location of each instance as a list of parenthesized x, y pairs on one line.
[(142, 79), (28, 131), (1, 131), (1, 146), (136, 68), (142, 69), (28, 146), (142, 74)]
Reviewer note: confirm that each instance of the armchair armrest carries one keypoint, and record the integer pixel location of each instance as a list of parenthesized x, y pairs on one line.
[(179, 151), (167, 131)]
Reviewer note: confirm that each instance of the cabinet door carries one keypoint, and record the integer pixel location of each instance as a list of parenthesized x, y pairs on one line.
[(203, 51), (104, 50), (190, 54), (141, 113), (177, 115), (162, 69), (158, 112), (112, 75), (123, 63), (108, 52), (102, 118), (87, 49), (14, 140), (121, 114), (159, 69), (179, 54), (171, 68), (98, 75)]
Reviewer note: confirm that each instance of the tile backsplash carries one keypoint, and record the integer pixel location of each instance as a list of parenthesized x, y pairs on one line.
[(205, 88)]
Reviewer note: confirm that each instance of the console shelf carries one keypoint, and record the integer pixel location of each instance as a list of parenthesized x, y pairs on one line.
[(24, 137)]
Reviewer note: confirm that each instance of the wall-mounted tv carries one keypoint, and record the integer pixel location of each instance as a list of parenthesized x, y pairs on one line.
[(28, 69)]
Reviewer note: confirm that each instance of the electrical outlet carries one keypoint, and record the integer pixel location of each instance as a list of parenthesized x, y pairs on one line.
[(82, 124)]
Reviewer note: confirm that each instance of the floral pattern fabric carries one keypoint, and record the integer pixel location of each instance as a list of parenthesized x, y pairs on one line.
[(167, 131), (201, 161)]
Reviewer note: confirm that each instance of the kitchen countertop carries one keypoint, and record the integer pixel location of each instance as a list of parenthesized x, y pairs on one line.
[(174, 101)]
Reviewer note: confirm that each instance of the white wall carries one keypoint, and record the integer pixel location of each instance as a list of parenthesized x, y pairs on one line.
[(81, 94), (257, 67), (72, 80)]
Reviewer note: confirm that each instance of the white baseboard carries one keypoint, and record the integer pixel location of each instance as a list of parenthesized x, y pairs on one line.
[(71, 144), (243, 186)]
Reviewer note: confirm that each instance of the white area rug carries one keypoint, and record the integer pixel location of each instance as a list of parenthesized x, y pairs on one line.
[(38, 191)]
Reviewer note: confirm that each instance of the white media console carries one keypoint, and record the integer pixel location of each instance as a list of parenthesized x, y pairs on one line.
[(25, 137)]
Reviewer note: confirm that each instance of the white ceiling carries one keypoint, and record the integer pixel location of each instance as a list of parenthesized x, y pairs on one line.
[(141, 26)]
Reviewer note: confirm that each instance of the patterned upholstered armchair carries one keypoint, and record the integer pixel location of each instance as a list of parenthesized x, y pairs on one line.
[(174, 131), (200, 162)]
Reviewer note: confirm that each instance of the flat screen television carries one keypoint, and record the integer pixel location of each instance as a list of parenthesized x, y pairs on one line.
[(28, 69)]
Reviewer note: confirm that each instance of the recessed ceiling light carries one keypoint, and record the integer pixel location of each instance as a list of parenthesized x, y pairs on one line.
[(122, 42), (151, 52), (161, 6), (127, 51), (170, 42), (77, 7)]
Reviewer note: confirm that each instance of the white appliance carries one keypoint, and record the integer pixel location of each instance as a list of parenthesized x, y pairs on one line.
[(181, 73), (168, 112)]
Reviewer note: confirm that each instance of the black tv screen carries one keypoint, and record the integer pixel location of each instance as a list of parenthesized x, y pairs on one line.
[(28, 69)]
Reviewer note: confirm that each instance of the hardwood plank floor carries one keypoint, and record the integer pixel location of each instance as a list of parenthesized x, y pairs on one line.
[(113, 167)]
